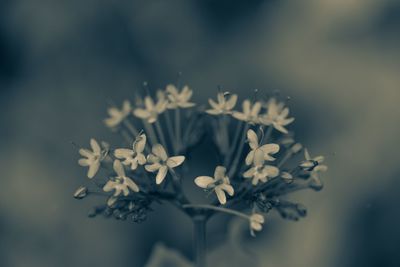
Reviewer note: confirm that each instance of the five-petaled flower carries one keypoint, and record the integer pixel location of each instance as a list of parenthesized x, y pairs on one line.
[(276, 116), (151, 110), (224, 106), (219, 183), (116, 115), (133, 156), (93, 158), (313, 164), (259, 171), (120, 183), (256, 222), (179, 99), (159, 161), (265, 150), (250, 113)]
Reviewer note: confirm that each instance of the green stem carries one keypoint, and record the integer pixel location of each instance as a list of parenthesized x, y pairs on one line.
[(199, 240)]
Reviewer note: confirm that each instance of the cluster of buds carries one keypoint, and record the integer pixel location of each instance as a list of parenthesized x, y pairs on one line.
[(256, 153)]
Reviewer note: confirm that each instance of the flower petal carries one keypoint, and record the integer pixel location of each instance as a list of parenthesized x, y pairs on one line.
[(93, 168), (109, 186), (231, 102), (83, 162), (249, 173), (141, 159), (140, 143), (252, 138), (159, 151), (173, 162), (162, 172), (141, 113), (246, 107), (95, 146), (220, 195), (219, 172), (271, 171), (118, 168), (131, 184), (270, 148), (258, 157), (153, 167), (86, 153), (122, 153), (204, 181), (227, 188), (249, 158)]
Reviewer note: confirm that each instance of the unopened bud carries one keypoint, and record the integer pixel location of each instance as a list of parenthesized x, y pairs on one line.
[(316, 183), (111, 201), (81, 192), (296, 148), (287, 177)]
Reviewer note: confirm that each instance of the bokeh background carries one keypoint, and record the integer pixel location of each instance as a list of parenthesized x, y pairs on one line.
[(61, 62)]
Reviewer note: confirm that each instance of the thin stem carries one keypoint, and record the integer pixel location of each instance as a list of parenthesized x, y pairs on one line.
[(220, 209), (178, 128), (199, 240), (235, 163), (161, 135), (130, 127), (267, 135), (150, 132), (172, 136), (235, 140)]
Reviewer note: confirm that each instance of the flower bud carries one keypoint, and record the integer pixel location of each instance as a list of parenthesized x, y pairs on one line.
[(296, 148), (81, 192)]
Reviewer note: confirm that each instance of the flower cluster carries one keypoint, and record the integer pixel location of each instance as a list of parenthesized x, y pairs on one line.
[(256, 158)]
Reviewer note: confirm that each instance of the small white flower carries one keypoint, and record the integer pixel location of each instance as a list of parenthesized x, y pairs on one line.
[(311, 162), (276, 116), (93, 158), (159, 161), (259, 171), (151, 110), (120, 183), (133, 156), (287, 177), (314, 164), (265, 150), (224, 106), (219, 183), (179, 99), (256, 222), (116, 115), (250, 113)]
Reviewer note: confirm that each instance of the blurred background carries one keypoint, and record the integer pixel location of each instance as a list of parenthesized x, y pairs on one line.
[(61, 62)]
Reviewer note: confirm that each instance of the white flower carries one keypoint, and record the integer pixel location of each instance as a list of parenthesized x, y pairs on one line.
[(179, 100), (265, 150), (116, 115), (220, 183), (276, 116), (250, 113), (313, 164), (224, 105), (93, 158), (121, 183), (259, 171), (133, 156), (159, 161), (151, 110), (256, 222)]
